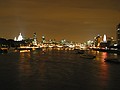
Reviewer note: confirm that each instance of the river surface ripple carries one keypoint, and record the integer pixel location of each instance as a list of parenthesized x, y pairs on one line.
[(57, 70)]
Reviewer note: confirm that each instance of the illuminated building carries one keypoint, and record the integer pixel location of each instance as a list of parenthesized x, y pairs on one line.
[(118, 34), (104, 38), (98, 40), (34, 39), (43, 39), (20, 38), (15, 39), (104, 43), (111, 41), (90, 43), (63, 41)]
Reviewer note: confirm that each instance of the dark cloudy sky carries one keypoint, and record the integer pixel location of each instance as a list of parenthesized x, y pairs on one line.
[(76, 20)]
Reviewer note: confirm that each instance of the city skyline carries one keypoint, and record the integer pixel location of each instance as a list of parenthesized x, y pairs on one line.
[(74, 20)]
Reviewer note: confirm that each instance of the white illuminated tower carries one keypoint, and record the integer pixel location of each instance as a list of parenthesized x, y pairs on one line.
[(104, 38)]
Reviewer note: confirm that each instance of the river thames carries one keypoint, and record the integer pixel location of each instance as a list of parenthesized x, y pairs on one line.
[(57, 70)]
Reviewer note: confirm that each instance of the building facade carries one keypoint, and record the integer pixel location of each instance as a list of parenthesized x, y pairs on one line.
[(34, 39), (118, 34), (20, 38)]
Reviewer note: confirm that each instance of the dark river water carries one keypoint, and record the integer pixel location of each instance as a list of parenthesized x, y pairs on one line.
[(57, 70)]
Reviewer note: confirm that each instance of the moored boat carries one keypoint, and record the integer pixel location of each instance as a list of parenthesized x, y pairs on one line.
[(87, 56), (114, 60), (78, 51)]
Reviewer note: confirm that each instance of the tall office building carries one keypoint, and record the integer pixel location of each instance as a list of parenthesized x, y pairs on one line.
[(104, 38), (98, 40), (118, 34), (43, 39), (34, 39)]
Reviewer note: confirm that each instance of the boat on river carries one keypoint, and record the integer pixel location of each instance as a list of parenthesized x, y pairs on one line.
[(87, 56), (78, 51), (114, 60)]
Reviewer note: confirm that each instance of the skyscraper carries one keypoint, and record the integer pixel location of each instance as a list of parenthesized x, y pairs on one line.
[(118, 34), (43, 39), (104, 38), (98, 40), (34, 39)]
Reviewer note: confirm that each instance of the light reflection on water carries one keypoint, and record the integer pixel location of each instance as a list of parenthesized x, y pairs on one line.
[(104, 73), (24, 63), (60, 69), (28, 62)]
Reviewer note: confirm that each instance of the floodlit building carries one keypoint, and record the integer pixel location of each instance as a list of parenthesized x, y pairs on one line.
[(43, 39), (34, 39), (20, 38), (97, 40), (118, 34), (104, 38), (104, 43)]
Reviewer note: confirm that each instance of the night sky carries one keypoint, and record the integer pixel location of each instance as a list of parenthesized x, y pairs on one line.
[(75, 20)]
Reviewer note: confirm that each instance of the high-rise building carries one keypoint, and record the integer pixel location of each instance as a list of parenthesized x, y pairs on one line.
[(34, 39), (118, 34), (98, 40), (104, 38), (43, 39)]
